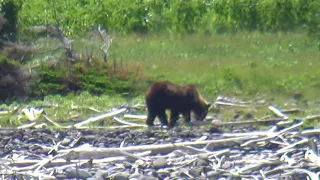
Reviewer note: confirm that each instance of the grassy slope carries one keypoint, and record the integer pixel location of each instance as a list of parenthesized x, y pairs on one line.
[(245, 64)]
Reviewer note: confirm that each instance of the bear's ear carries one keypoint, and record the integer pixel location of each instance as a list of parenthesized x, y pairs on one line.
[(208, 105)]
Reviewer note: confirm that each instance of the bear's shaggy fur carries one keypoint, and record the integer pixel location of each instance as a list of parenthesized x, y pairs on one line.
[(178, 99)]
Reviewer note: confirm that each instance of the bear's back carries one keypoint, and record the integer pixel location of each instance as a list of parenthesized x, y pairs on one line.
[(165, 94)]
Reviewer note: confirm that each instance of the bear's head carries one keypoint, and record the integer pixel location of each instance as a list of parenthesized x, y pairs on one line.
[(200, 106), (201, 111)]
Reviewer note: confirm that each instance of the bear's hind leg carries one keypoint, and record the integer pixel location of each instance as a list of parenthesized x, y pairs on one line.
[(174, 117), (187, 117), (163, 117)]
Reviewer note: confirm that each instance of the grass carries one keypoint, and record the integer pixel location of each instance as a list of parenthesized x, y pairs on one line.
[(245, 64), (67, 110)]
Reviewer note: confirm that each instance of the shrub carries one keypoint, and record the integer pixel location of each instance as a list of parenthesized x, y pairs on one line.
[(180, 16), (12, 79), (97, 77)]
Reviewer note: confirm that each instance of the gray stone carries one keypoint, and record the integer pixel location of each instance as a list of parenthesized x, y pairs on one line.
[(212, 174), (122, 176), (222, 178), (160, 163), (226, 165), (163, 173), (16, 141), (144, 177), (202, 162), (77, 173), (195, 171), (66, 141), (101, 175)]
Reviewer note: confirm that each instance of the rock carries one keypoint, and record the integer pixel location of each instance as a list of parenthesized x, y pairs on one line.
[(152, 173), (121, 176), (248, 116), (163, 173), (101, 145), (139, 163), (212, 174), (16, 141), (60, 176), (226, 165), (160, 163), (201, 162), (127, 165), (222, 178), (77, 173), (101, 175), (146, 177), (203, 156), (195, 171), (66, 141)]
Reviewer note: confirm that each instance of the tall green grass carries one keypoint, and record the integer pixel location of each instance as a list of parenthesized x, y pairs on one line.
[(245, 64)]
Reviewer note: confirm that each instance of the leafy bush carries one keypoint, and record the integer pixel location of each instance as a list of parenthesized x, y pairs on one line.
[(181, 16), (10, 11), (12, 79), (96, 77)]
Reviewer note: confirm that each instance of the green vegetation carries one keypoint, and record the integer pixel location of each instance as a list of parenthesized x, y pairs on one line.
[(12, 79), (64, 109), (243, 48), (245, 64), (181, 16), (97, 77)]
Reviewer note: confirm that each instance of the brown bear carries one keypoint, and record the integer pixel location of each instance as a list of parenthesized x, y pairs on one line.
[(178, 99)]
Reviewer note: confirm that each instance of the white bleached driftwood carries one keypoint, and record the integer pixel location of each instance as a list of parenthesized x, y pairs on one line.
[(128, 123), (85, 152), (50, 120), (311, 117), (230, 104), (100, 117), (272, 135), (278, 112), (29, 174), (32, 113), (25, 126), (135, 116), (31, 164), (4, 112), (282, 151)]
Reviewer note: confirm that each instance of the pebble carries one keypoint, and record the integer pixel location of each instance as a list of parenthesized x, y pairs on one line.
[(144, 168), (160, 163), (163, 173), (66, 141), (222, 178), (101, 175), (122, 176), (77, 173), (226, 165), (212, 174), (202, 162), (146, 177), (196, 171)]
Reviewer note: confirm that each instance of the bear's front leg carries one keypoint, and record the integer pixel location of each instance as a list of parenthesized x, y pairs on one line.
[(150, 119), (174, 117), (187, 117)]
